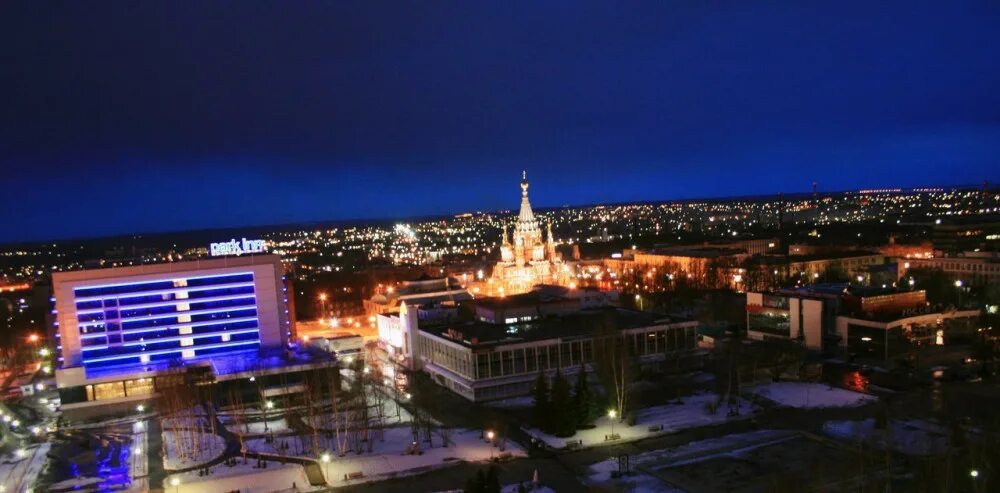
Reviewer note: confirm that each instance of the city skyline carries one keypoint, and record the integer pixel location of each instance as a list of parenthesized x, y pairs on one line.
[(344, 112), (509, 211)]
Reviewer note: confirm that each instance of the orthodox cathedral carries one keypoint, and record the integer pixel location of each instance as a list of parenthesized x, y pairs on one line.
[(527, 259)]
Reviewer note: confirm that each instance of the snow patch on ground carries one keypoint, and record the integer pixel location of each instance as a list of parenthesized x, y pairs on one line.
[(512, 488), (522, 402), (911, 437), (687, 412), (599, 474), (388, 458), (18, 473), (810, 395), (242, 477), (199, 448), (274, 425)]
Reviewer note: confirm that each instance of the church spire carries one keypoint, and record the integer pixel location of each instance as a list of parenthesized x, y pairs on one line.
[(526, 218)]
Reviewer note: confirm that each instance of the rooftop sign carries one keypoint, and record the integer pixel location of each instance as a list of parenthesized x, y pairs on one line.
[(234, 247)]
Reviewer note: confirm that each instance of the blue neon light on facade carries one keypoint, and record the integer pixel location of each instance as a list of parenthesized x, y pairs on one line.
[(140, 294), (173, 350), (102, 314), (172, 279)]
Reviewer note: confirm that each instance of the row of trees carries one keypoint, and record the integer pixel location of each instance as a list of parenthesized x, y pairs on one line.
[(558, 410)]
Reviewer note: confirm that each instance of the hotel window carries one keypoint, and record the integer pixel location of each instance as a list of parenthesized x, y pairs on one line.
[(142, 386), (103, 391)]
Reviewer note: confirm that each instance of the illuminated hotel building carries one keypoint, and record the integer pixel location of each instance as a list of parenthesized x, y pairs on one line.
[(118, 328)]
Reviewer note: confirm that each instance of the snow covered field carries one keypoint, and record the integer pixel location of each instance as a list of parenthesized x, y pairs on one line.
[(691, 412), (522, 402), (243, 478), (252, 422), (274, 424), (203, 447), (810, 395), (911, 437), (599, 474), (19, 472), (512, 488), (388, 459)]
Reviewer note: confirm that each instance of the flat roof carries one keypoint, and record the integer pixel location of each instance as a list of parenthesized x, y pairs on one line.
[(165, 267), (580, 324), (530, 298), (238, 362), (696, 252)]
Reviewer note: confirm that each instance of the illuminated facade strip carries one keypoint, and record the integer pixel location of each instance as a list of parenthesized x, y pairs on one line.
[(175, 339), (94, 335), (141, 294), (173, 350), (158, 304)]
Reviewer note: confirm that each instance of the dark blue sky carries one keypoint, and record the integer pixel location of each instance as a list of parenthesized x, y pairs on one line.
[(123, 117)]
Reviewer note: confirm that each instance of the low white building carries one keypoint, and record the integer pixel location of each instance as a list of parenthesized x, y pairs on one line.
[(485, 361)]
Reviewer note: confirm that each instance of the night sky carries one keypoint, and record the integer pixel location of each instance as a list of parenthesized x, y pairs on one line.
[(128, 117)]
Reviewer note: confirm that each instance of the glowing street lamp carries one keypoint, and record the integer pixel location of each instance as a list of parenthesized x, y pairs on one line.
[(612, 414), (489, 436), (175, 482), (269, 404), (140, 408), (325, 458), (322, 300)]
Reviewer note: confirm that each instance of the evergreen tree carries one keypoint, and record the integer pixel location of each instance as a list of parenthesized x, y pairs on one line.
[(583, 399), (541, 402), (562, 414), (491, 484), (476, 484)]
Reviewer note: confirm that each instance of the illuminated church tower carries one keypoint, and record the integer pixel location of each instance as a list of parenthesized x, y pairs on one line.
[(526, 258)]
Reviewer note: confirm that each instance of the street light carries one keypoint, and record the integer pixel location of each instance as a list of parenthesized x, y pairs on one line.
[(326, 465), (612, 414), (175, 482), (269, 404), (958, 285), (489, 436), (140, 408), (974, 473)]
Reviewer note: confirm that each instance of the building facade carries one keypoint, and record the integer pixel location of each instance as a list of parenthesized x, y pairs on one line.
[(117, 328), (975, 269), (485, 360)]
